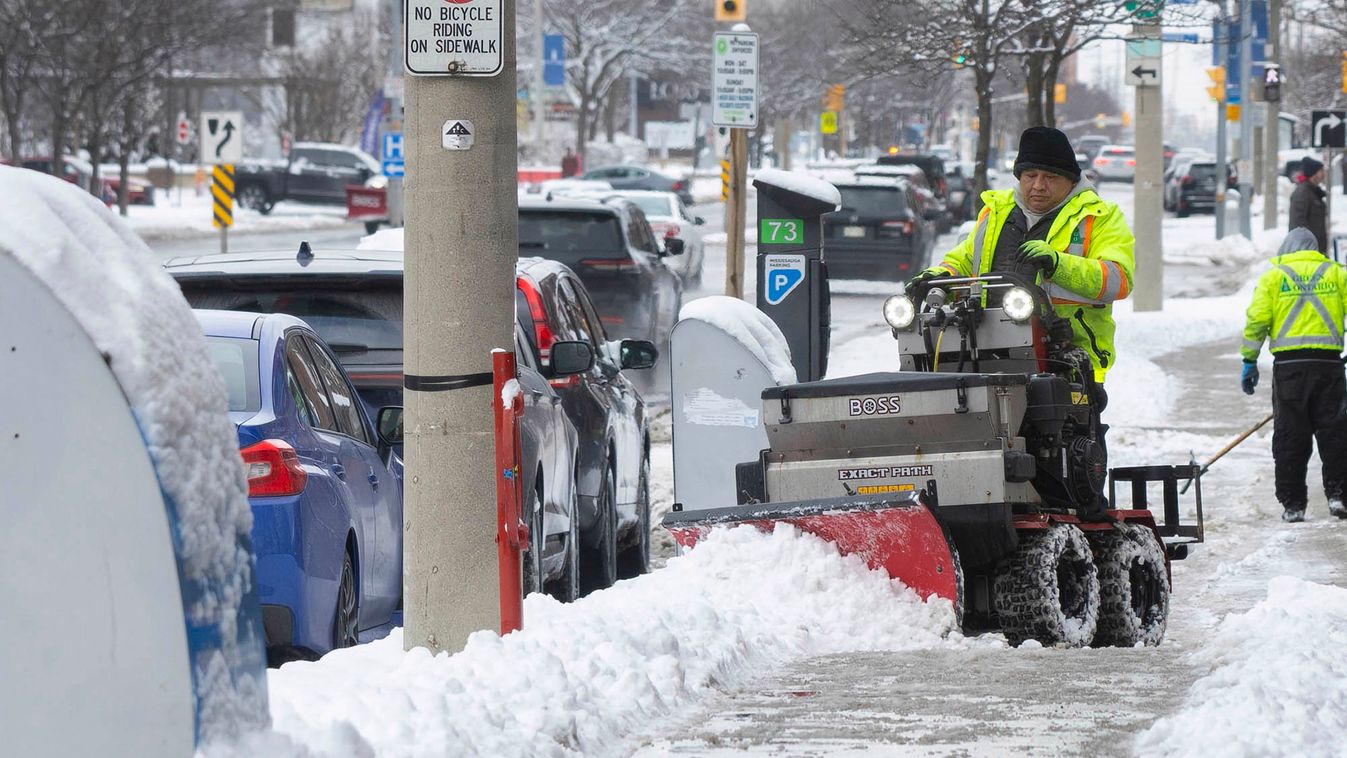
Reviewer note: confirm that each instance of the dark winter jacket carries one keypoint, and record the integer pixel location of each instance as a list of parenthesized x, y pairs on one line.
[(1310, 210)]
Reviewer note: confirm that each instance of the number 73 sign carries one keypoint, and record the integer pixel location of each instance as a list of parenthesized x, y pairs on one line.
[(781, 231)]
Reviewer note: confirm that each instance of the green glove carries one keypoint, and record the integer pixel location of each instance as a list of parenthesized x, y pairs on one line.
[(934, 272), (1039, 253)]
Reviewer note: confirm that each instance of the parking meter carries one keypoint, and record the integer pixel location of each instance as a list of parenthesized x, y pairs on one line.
[(792, 277)]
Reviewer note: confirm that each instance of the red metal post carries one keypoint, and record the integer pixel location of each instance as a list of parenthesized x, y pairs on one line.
[(512, 534)]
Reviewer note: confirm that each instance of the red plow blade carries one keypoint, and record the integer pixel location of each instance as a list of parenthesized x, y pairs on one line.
[(899, 534)]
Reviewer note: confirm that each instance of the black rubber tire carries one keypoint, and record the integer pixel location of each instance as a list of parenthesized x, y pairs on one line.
[(1048, 590), (566, 587), (371, 227), (531, 570), (346, 616), (634, 559), (598, 567), (255, 197), (1133, 587)]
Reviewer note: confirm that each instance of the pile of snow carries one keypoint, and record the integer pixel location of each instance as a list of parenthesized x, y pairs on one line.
[(748, 326), (1277, 685), (579, 676), (135, 313), (391, 240)]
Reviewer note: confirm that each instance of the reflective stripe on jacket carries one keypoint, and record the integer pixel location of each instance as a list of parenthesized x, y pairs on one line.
[(1298, 303), (1094, 271)]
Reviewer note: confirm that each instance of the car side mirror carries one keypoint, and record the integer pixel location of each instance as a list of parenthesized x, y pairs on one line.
[(390, 425), (638, 354), (674, 246), (571, 357), (699, 221)]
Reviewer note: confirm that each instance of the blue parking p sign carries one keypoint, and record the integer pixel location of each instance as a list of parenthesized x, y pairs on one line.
[(783, 273)]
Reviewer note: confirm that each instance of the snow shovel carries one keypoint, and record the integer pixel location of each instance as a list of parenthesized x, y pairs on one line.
[(1233, 444)]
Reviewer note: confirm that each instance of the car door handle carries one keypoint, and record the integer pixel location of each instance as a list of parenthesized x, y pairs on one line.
[(374, 480), (339, 470)]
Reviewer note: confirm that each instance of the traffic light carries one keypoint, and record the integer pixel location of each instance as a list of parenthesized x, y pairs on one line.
[(835, 98), (731, 11), (1217, 89), (1272, 83), (1126, 119), (961, 57), (1059, 94)]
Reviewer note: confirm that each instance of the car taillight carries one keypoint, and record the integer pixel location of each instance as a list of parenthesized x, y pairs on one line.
[(1186, 180), (893, 228), (1131, 162), (672, 230), (678, 186), (542, 333), (273, 469), (1101, 161)]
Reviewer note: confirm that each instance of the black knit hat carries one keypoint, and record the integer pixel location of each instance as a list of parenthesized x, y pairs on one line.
[(1309, 166), (1048, 149)]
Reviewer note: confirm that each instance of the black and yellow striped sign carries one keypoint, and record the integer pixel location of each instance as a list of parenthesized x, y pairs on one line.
[(222, 193), (724, 180)]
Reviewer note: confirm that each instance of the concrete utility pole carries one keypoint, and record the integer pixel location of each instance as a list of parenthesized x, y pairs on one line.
[(1148, 211), (1222, 42), (1272, 123), (1245, 118), (461, 246)]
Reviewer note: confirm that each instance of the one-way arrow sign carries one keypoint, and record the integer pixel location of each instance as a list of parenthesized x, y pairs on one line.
[(1328, 129), (1142, 73)]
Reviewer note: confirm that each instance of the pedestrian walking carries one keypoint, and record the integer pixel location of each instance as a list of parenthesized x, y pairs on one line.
[(1298, 307), (1309, 203), (570, 164)]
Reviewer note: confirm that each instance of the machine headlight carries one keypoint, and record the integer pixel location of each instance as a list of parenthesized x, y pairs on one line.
[(1018, 304), (899, 311)]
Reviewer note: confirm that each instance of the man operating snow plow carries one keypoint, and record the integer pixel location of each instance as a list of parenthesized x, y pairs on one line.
[(976, 473)]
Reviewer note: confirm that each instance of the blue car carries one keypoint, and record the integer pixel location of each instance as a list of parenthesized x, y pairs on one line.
[(324, 483)]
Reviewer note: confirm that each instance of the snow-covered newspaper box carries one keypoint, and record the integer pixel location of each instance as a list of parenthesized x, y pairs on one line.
[(725, 353), (792, 277), (130, 623)]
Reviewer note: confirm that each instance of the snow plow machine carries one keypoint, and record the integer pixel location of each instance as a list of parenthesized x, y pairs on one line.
[(976, 473)]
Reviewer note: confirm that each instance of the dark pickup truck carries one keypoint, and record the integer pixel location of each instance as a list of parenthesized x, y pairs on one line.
[(316, 172)]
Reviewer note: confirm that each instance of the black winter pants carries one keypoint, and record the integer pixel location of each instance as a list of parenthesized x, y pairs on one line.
[(1309, 403)]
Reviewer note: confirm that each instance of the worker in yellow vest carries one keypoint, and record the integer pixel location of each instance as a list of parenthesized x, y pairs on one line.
[(1298, 307)]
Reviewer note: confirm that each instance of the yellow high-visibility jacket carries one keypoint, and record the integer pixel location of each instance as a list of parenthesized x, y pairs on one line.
[(1299, 303)]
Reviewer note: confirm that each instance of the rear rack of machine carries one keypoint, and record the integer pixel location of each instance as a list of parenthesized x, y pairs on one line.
[(1177, 537)]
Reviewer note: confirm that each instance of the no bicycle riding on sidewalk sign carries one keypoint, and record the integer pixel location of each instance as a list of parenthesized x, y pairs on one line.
[(454, 37)]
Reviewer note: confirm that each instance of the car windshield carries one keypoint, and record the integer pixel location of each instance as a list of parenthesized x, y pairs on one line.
[(361, 327), (653, 205), (871, 201), (569, 236), (236, 360)]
